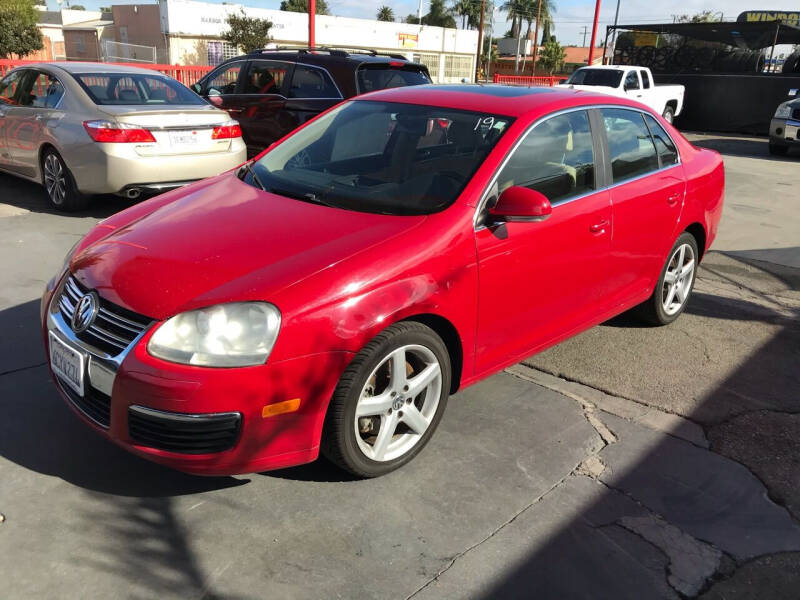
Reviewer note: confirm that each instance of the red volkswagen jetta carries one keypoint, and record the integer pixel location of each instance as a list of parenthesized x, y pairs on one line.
[(334, 292)]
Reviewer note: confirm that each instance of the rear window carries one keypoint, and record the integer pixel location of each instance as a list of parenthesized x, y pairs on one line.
[(604, 77), (384, 76), (135, 89)]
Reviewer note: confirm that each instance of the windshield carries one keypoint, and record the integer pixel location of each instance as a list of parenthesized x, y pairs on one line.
[(604, 77), (381, 157), (136, 89), (382, 76)]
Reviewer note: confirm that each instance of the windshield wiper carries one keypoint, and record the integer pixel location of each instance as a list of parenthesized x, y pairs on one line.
[(248, 167), (307, 196)]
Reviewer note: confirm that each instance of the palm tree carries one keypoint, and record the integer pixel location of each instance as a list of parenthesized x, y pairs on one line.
[(385, 13), (516, 10), (546, 19), (468, 10)]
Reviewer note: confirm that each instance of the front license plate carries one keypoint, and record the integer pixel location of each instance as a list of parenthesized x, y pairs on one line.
[(182, 138), (67, 363)]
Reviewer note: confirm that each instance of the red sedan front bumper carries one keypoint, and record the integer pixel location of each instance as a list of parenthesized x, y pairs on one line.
[(264, 438)]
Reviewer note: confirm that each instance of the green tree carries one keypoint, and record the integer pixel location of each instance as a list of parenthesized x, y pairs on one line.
[(385, 13), (469, 11), (412, 20), (552, 56), (516, 10), (247, 33), (439, 16), (705, 16), (302, 6), (77, 7), (19, 33)]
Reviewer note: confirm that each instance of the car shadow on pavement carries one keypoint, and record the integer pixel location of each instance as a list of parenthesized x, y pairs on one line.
[(745, 147), (629, 537), (29, 196)]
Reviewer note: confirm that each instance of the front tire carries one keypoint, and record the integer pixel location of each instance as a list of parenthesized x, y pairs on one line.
[(778, 149), (389, 401), (62, 192), (669, 114), (675, 284)]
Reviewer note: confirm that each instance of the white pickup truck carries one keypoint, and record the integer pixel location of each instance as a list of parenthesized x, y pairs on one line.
[(635, 83)]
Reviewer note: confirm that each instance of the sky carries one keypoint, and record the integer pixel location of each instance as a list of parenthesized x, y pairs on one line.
[(570, 18)]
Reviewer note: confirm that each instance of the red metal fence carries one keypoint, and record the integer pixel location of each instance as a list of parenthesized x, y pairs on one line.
[(186, 74), (529, 81)]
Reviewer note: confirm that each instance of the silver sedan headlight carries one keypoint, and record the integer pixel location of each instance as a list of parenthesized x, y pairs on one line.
[(784, 111), (238, 334)]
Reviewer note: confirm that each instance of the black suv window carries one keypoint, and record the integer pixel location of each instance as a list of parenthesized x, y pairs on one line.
[(265, 77), (381, 76), (223, 80), (308, 82)]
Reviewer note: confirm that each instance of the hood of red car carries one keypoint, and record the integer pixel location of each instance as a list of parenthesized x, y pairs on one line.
[(223, 241)]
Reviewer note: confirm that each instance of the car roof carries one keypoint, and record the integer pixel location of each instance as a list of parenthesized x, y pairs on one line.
[(326, 56), (93, 67), (497, 99)]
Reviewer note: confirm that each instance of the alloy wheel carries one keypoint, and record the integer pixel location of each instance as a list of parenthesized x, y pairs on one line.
[(398, 403), (55, 180), (678, 279)]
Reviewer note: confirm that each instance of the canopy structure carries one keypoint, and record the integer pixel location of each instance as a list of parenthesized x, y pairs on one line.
[(750, 35)]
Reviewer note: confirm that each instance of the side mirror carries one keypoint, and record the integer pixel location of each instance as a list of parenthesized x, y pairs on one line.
[(519, 204)]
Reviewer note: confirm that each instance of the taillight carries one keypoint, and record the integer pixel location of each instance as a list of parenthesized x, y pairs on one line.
[(117, 133), (226, 131), (396, 63)]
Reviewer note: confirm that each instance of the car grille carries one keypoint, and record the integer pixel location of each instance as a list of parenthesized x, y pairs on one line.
[(113, 329), (94, 404), (183, 433)]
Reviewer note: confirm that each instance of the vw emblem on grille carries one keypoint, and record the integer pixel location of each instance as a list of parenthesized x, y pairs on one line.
[(85, 312)]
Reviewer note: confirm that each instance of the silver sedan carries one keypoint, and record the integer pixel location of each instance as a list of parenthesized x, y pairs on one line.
[(87, 128)]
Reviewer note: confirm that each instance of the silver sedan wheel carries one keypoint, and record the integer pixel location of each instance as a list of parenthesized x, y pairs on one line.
[(55, 180), (678, 279), (398, 403)]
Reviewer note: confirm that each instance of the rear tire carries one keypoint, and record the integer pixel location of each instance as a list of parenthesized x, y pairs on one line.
[(59, 184), (778, 149), (381, 416), (675, 285), (669, 114)]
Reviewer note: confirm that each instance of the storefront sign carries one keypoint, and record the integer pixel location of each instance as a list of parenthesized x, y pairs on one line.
[(408, 40), (645, 38), (757, 16)]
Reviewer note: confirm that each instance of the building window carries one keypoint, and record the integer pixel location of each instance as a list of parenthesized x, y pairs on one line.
[(457, 67), (431, 61), (218, 52)]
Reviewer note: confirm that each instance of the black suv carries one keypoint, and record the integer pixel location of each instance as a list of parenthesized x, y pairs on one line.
[(272, 92)]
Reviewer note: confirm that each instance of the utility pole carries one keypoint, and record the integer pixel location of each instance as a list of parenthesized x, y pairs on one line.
[(312, 13), (594, 31), (419, 12), (536, 37), (614, 39), (480, 42), (584, 32)]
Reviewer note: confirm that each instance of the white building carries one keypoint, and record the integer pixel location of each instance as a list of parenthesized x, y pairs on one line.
[(193, 32)]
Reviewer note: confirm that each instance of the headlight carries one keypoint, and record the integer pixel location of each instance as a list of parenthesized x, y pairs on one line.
[(239, 334), (784, 111)]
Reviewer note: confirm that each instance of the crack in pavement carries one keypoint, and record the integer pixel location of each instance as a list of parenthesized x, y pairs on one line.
[(17, 370)]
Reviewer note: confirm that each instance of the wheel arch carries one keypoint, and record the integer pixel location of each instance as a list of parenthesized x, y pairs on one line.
[(673, 104), (699, 233), (452, 341), (42, 151)]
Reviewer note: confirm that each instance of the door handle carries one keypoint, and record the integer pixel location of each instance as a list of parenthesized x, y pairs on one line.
[(599, 227), (234, 110), (672, 200), (39, 116)]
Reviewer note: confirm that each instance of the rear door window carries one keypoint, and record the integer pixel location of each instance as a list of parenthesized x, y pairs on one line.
[(631, 81), (265, 77), (645, 79), (381, 76), (46, 91), (556, 158), (631, 149), (667, 153), (308, 82)]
